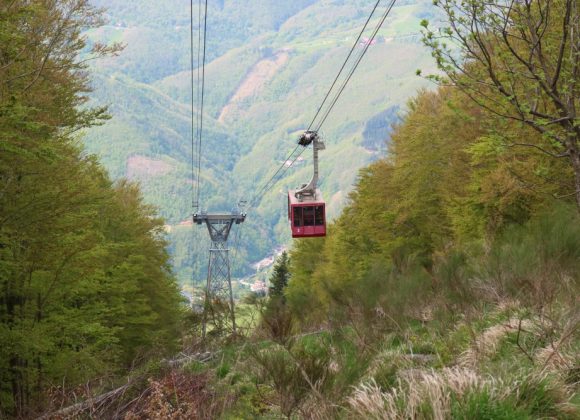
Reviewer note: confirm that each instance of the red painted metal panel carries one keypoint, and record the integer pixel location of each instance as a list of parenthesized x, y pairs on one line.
[(307, 219)]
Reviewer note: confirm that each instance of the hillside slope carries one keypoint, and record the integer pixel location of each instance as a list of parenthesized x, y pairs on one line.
[(269, 67)]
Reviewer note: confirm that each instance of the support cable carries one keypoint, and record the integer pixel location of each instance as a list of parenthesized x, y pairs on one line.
[(195, 102), (293, 157), (201, 93), (337, 96), (273, 179), (197, 88), (367, 45), (193, 128), (267, 186), (193, 251), (344, 64)]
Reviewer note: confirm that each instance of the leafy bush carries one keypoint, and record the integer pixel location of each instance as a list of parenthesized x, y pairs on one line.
[(277, 366)]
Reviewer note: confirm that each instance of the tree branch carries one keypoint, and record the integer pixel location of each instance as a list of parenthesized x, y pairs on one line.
[(561, 155)]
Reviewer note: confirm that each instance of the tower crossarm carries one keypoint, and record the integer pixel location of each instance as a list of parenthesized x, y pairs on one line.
[(219, 224)]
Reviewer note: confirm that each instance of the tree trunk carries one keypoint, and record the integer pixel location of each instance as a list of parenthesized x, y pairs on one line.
[(575, 157), (572, 145)]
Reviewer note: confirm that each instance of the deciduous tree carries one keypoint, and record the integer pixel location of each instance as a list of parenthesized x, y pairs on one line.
[(520, 60)]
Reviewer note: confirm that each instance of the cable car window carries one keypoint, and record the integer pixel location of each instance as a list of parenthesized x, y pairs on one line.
[(298, 222), (319, 215), (309, 216)]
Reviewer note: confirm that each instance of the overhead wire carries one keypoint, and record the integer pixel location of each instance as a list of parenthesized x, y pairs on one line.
[(198, 90), (198, 66), (344, 64), (272, 179), (193, 128), (366, 47), (202, 42), (195, 101), (193, 253), (337, 96), (291, 159), (197, 94)]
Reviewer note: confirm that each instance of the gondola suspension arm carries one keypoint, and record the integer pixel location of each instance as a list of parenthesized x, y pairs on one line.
[(307, 138)]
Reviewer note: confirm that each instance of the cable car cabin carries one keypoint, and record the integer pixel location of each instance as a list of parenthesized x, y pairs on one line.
[(307, 215)]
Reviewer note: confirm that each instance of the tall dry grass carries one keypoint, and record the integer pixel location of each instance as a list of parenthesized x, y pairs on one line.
[(418, 394)]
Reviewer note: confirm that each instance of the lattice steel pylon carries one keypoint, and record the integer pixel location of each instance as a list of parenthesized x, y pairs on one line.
[(218, 308)]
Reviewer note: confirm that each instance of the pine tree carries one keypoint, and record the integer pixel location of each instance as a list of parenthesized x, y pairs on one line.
[(280, 277), (277, 318)]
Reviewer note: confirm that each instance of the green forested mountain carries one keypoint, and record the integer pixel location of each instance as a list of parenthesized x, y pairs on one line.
[(269, 66)]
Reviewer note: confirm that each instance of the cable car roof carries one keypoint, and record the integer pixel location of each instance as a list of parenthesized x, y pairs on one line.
[(305, 199)]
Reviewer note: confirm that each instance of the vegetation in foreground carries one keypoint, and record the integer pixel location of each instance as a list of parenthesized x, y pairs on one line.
[(86, 291), (485, 334), (447, 288)]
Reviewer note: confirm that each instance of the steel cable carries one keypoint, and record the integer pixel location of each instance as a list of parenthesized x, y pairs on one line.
[(285, 166)]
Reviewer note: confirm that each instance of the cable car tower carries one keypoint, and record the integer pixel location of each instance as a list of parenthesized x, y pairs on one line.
[(218, 308)]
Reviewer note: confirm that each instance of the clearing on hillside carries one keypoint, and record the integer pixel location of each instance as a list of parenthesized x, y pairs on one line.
[(262, 72)]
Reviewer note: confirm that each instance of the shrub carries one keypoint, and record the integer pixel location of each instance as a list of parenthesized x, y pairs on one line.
[(276, 366), (482, 406), (538, 262)]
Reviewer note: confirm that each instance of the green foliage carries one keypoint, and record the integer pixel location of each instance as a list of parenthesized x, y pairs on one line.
[(223, 370), (541, 397), (278, 366), (85, 285), (195, 367), (279, 277), (532, 263), (416, 223), (276, 318), (479, 43), (322, 367), (454, 222), (452, 251), (482, 406)]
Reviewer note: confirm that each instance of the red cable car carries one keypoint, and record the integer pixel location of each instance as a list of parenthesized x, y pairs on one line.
[(306, 208), (307, 217)]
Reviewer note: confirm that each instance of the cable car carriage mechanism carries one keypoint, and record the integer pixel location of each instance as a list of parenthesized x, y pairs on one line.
[(306, 208)]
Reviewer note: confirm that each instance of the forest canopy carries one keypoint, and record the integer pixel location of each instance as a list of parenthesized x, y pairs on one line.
[(496, 146), (85, 284)]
